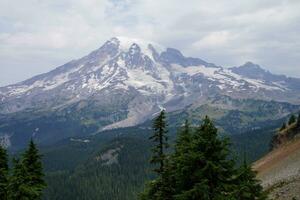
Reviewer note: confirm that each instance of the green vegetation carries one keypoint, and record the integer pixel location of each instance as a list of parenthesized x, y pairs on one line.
[(287, 132), (3, 174), (248, 186), (117, 171), (72, 171), (26, 179), (292, 119), (85, 118), (241, 116), (161, 187), (199, 168)]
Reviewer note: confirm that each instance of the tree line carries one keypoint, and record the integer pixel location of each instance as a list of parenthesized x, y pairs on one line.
[(25, 180), (199, 168), (292, 120)]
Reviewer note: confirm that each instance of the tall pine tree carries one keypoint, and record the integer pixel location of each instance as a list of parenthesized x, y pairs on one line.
[(18, 188), (34, 170), (27, 180), (159, 189), (210, 169), (184, 139), (3, 174), (160, 140), (181, 165), (200, 168)]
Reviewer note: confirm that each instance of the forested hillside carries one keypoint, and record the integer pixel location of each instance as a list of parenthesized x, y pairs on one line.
[(118, 171), (115, 163)]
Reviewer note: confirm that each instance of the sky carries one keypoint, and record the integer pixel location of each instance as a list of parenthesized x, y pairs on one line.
[(39, 35)]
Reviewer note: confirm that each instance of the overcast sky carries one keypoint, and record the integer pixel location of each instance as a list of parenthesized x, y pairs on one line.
[(39, 35)]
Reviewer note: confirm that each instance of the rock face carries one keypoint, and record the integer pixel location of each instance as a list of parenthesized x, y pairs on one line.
[(140, 78)]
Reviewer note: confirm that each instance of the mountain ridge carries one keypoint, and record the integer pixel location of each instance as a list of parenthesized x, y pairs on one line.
[(109, 58), (126, 81)]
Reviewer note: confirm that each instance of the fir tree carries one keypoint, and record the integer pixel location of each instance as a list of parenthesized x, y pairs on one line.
[(248, 187), (159, 189), (160, 140), (292, 119), (18, 189), (181, 158), (210, 170), (3, 174), (184, 139), (200, 168), (34, 171)]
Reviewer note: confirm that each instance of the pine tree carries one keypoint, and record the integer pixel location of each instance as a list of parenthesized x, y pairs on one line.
[(248, 187), (159, 189), (18, 189), (210, 169), (292, 119), (160, 140), (3, 174), (34, 171), (200, 168), (181, 158), (184, 139)]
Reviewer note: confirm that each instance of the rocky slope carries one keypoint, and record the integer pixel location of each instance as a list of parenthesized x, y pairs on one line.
[(280, 169), (143, 75)]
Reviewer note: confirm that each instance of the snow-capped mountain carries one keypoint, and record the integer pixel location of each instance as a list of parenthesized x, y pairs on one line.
[(132, 79)]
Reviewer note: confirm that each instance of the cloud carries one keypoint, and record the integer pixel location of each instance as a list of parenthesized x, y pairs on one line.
[(36, 36)]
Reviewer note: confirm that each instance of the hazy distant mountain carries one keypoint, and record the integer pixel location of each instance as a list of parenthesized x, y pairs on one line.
[(126, 82)]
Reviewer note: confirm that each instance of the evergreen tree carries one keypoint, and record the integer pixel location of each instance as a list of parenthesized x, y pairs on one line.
[(184, 139), (210, 169), (34, 171), (298, 120), (159, 189), (18, 189), (200, 168), (3, 174), (181, 158), (248, 187), (283, 126), (292, 119), (160, 140)]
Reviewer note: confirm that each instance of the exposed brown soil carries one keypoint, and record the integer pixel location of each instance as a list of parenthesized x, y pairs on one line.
[(279, 171), (277, 156)]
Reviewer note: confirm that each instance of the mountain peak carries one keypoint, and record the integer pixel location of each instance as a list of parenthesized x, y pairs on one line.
[(252, 65), (250, 70), (125, 43), (136, 66), (134, 49)]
